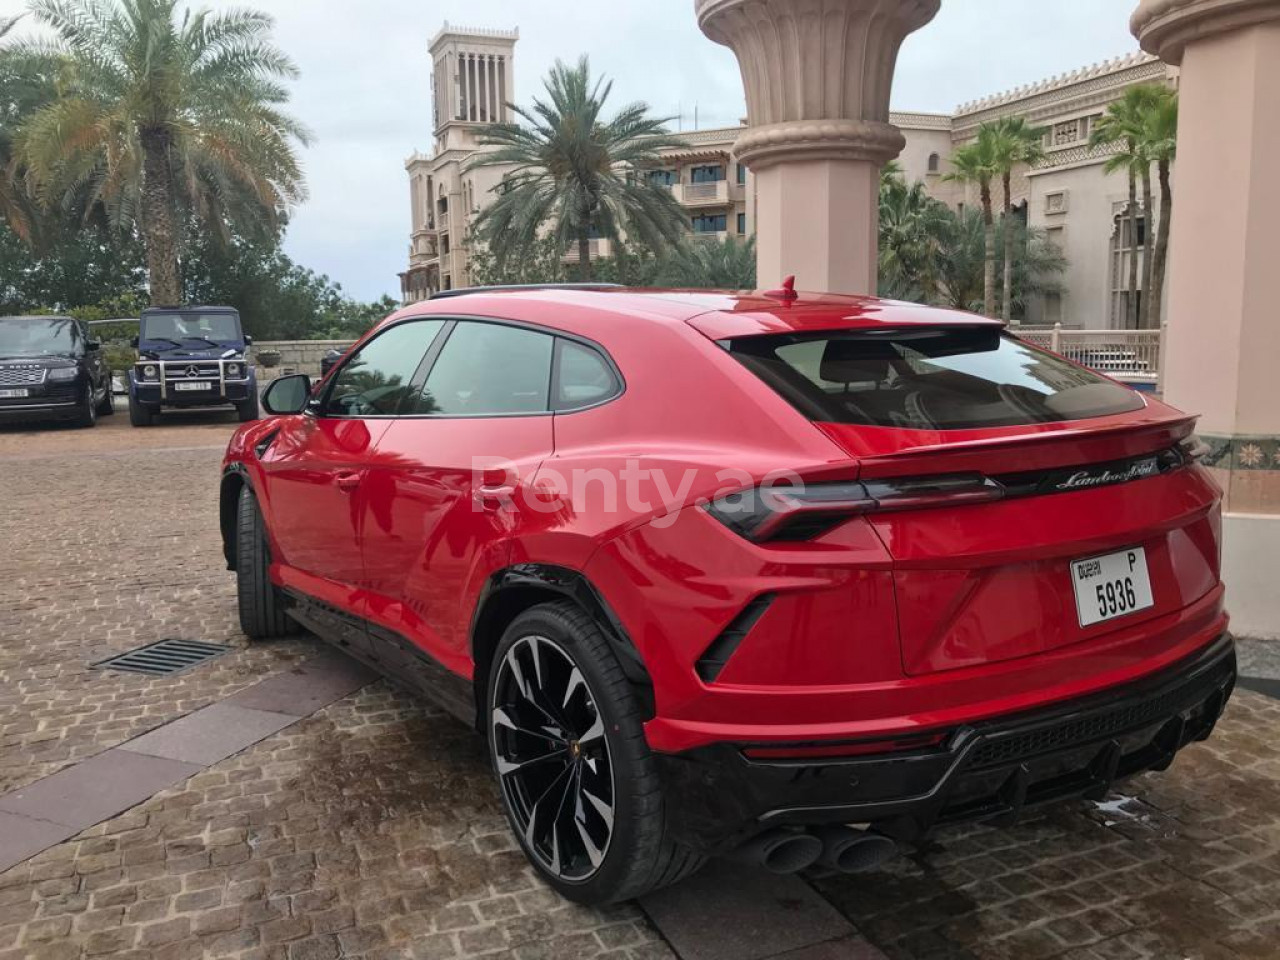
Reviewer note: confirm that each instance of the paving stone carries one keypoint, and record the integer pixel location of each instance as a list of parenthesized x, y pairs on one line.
[(96, 789), (23, 837), (306, 687), (731, 912), (210, 734)]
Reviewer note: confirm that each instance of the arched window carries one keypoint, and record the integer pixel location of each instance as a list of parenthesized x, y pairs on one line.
[(935, 162)]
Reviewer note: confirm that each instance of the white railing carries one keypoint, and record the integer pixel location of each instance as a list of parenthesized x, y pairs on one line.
[(716, 191), (1125, 354)]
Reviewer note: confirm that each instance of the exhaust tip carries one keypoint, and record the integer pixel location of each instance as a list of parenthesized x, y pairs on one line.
[(854, 851), (792, 853)]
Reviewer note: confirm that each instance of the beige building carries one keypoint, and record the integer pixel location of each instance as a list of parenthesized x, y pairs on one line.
[(1081, 207)]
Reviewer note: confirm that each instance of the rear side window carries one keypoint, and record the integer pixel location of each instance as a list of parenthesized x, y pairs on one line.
[(928, 379), (583, 377), (487, 369)]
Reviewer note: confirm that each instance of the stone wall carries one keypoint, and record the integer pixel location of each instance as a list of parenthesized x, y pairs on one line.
[(296, 356)]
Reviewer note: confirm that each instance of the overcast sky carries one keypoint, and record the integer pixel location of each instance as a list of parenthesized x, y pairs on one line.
[(364, 89)]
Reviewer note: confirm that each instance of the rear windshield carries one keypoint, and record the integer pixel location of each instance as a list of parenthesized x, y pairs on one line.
[(928, 379)]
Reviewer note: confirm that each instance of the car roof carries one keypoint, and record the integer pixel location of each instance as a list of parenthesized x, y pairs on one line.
[(719, 314), (35, 316), (181, 309)]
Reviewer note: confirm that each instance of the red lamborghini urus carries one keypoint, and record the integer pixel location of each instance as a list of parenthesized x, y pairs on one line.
[(789, 579)]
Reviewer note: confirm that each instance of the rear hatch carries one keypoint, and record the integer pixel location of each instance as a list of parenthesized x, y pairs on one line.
[(1028, 503)]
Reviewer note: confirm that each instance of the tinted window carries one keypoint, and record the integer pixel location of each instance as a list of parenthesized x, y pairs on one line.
[(376, 380), (928, 379), (583, 377), (488, 368)]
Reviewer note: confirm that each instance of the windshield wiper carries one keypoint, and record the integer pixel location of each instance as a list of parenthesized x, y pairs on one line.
[(170, 339)]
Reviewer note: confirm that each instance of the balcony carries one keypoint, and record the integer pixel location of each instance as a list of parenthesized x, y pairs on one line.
[(423, 246), (712, 194)]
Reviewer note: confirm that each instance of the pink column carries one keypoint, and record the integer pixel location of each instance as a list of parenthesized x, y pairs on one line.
[(818, 75), (1223, 342)]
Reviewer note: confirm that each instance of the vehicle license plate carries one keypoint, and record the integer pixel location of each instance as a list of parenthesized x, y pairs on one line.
[(1110, 586), (191, 386), (9, 394)]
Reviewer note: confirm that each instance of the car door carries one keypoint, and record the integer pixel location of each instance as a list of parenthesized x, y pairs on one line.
[(442, 482), (93, 364), (315, 464)]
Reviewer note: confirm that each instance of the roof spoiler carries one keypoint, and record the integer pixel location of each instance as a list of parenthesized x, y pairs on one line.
[(522, 287)]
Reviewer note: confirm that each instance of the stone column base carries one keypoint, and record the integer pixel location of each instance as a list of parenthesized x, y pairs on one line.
[(1251, 571)]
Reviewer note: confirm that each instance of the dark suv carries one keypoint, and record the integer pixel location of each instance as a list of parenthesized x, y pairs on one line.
[(191, 357), (51, 370)]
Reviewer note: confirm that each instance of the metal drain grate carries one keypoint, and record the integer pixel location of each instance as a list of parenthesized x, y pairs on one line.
[(163, 658)]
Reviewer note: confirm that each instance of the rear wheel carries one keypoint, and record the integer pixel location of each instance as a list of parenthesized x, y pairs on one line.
[(247, 409), (140, 415), (579, 785), (262, 613)]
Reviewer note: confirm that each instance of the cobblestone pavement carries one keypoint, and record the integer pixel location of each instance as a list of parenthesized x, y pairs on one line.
[(372, 829)]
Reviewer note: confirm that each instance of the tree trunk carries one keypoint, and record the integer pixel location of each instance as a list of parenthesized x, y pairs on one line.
[(158, 232), (989, 266), (1148, 268), (1006, 300), (1131, 314), (584, 257), (1160, 257)]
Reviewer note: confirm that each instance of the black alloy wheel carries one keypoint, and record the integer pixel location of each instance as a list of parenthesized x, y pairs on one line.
[(552, 758)]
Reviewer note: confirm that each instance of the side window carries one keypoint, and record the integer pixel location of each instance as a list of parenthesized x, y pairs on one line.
[(376, 380), (583, 377), (488, 369)]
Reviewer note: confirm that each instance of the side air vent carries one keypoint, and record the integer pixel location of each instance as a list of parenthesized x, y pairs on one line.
[(715, 657), (264, 444)]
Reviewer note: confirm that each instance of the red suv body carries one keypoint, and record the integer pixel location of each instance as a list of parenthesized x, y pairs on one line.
[(798, 563)]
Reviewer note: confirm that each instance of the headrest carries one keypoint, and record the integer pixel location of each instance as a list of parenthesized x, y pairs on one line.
[(856, 361)]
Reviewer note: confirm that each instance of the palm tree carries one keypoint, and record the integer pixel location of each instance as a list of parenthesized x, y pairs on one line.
[(1014, 142), (24, 89), (1160, 143), (163, 118), (911, 227), (578, 173), (728, 264), (1123, 125), (975, 162), (963, 264)]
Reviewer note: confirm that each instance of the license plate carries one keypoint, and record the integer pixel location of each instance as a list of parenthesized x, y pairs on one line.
[(192, 386), (10, 394), (1110, 586)]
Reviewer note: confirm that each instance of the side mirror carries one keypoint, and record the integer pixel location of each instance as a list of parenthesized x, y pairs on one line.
[(248, 340), (287, 394), (92, 345), (133, 342)]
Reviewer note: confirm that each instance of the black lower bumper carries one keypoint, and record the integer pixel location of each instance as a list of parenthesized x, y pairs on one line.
[(40, 409), (994, 770)]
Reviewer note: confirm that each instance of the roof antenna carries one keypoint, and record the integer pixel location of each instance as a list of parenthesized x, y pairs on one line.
[(786, 293)]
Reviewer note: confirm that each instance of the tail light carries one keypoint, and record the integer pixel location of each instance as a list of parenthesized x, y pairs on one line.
[(802, 513)]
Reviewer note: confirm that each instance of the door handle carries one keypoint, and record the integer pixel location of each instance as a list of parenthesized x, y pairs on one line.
[(492, 498), (348, 481)]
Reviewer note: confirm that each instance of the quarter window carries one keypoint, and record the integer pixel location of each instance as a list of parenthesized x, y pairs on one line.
[(583, 377), (488, 369), (376, 381)]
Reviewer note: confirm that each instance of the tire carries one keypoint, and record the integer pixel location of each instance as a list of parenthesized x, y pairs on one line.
[(247, 410), (558, 654), (87, 411), (262, 613), (108, 405), (140, 415)]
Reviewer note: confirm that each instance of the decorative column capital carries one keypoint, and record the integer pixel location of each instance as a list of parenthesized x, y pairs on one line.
[(871, 140), (1165, 27), (815, 59)]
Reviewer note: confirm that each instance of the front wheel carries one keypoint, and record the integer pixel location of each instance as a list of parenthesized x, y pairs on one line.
[(262, 613), (579, 785), (247, 409), (140, 415), (87, 411)]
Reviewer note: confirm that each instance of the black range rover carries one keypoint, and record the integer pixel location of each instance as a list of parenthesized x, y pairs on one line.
[(51, 370)]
